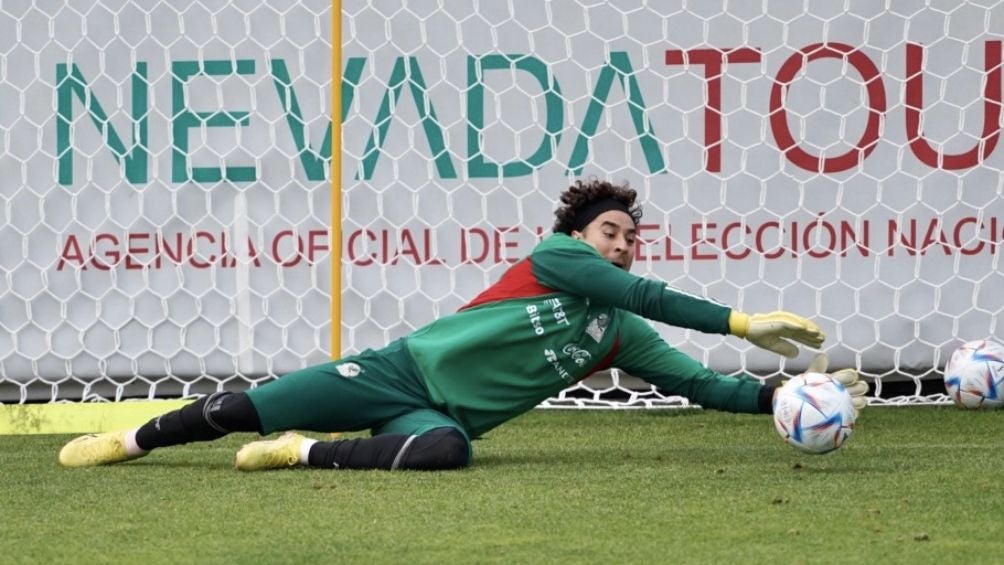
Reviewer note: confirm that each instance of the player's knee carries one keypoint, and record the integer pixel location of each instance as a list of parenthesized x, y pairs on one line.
[(440, 449), (234, 413), (208, 418)]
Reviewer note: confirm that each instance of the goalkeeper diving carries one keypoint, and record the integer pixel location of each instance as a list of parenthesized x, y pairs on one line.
[(569, 309)]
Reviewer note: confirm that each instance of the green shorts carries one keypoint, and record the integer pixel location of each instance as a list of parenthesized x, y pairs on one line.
[(381, 391)]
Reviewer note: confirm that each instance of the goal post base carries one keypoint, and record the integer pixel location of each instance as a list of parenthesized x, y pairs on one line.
[(81, 418)]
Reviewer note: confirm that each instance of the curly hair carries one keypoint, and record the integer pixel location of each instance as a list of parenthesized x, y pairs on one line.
[(583, 193)]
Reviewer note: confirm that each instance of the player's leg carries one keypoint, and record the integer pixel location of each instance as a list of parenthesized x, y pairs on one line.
[(420, 440), (355, 393), (352, 394), (208, 418), (211, 417), (437, 449)]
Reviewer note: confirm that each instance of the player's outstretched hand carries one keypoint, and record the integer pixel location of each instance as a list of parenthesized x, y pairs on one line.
[(854, 385), (775, 331), (847, 377)]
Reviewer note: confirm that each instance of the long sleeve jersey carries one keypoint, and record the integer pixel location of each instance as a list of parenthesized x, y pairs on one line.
[(554, 318)]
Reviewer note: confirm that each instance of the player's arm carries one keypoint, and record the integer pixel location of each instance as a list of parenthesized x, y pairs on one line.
[(644, 354), (575, 267)]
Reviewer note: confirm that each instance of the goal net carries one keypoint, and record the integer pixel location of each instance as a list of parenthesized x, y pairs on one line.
[(166, 190)]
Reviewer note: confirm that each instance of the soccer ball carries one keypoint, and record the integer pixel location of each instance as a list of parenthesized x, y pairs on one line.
[(814, 413), (974, 375)]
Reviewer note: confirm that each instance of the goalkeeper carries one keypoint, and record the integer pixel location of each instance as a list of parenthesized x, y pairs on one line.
[(569, 309)]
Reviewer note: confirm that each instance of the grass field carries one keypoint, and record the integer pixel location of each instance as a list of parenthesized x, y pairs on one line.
[(914, 485)]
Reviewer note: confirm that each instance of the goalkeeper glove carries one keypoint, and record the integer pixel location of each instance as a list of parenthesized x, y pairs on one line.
[(847, 377), (772, 331)]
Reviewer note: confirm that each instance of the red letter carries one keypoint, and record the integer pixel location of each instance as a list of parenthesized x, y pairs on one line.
[(502, 243), (295, 259), (352, 247), (697, 237), (485, 249), (760, 237), (408, 248), (176, 256), (640, 243), (193, 250), (317, 240), (991, 110), (132, 247), (712, 60), (876, 106), (726, 245), (959, 243), (112, 253), (71, 252)]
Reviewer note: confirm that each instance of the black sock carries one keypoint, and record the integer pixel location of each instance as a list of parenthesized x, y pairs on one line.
[(441, 448), (208, 418)]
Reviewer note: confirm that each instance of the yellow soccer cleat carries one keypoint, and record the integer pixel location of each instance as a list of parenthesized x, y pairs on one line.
[(270, 454), (95, 449)]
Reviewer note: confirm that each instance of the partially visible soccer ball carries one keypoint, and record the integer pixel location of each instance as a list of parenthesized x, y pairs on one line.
[(814, 413), (974, 375)]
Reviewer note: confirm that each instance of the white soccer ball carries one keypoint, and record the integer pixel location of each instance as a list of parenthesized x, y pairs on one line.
[(814, 413), (974, 375)]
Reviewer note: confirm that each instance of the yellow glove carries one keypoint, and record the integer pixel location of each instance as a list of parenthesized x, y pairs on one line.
[(847, 377), (772, 331)]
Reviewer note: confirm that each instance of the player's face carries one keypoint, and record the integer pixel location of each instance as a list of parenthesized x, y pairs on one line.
[(612, 233)]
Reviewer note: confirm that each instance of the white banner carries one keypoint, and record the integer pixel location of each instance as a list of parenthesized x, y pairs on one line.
[(166, 193), (166, 201)]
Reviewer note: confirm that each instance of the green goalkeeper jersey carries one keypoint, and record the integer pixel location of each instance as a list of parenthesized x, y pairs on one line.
[(554, 318)]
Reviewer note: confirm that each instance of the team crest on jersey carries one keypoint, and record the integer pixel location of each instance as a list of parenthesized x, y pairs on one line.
[(597, 327), (348, 370)]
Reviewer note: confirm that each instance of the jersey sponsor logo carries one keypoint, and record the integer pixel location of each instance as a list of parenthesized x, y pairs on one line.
[(534, 314), (597, 327), (552, 358), (579, 356), (348, 370), (560, 317)]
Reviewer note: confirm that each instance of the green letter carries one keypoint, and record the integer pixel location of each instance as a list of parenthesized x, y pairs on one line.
[(619, 66), (313, 163), (477, 165), (433, 133), (72, 83), (184, 120)]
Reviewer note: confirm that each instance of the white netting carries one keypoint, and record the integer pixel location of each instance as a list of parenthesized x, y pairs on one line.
[(165, 192), (835, 159)]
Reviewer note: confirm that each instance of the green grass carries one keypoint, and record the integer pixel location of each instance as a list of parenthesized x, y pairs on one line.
[(916, 484)]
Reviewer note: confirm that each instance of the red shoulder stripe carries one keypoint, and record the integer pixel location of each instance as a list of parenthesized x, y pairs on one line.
[(517, 282)]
